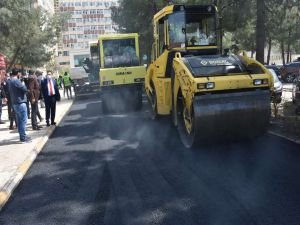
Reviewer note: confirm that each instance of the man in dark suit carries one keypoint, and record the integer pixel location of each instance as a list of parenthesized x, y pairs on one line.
[(34, 95), (51, 95)]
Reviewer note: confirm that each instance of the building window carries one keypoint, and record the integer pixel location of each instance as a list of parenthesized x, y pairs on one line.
[(64, 63), (78, 59), (66, 53)]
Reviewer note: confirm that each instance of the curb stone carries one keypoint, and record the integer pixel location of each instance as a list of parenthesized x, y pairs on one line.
[(285, 137), (21, 171)]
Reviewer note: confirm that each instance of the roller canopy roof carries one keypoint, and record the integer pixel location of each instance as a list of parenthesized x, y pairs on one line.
[(196, 8)]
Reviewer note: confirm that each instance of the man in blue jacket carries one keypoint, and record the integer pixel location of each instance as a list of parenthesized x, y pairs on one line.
[(51, 95), (18, 96)]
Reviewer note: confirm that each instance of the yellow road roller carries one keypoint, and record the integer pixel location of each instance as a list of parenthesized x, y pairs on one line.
[(121, 75), (210, 95)]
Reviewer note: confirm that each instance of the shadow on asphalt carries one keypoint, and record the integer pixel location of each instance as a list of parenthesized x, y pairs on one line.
[(126, 169)]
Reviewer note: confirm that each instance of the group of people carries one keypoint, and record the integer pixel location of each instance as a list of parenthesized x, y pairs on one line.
[(19, 91), (66, 83)]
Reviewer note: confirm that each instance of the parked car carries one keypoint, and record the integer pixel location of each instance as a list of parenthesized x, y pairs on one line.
[(290, 71), (296, 94), (297, 60), (276, 95), (276, 69)]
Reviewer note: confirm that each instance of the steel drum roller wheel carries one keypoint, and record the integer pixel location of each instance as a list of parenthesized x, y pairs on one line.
[(186, 125), (224, 117)]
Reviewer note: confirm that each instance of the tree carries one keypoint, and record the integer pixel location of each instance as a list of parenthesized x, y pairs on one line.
[(135, 16), (282, 22), (28, 33), (249, 23), (260, 31)]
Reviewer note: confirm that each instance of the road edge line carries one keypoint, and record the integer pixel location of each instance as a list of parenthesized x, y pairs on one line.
[(284, 137)]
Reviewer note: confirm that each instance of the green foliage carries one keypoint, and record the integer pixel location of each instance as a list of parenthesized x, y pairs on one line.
[(27, 33), (135, 16), (284, 23), (239, 20), (52, 65)]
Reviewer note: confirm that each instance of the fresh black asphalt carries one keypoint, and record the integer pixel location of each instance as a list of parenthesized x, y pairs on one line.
[(125, 169)]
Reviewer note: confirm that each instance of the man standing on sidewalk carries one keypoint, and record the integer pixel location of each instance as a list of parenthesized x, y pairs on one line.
[(67, 82), (34, 95), (10, 110), (18, 93), (51, 95)]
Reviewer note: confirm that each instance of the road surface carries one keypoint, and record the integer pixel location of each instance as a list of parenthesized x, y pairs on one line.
[(125, 169)]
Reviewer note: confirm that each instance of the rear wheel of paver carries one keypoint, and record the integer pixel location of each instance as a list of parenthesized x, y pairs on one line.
[(138, 100), (105, 107)]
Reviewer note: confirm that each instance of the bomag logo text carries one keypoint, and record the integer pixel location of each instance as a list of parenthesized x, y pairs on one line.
[(123, 73)]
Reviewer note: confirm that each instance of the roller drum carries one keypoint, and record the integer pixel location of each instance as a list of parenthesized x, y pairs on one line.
[(228, 116)]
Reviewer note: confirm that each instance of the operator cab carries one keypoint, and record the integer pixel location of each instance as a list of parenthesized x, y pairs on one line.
[(120, 53), (192, 26), (192, 30)]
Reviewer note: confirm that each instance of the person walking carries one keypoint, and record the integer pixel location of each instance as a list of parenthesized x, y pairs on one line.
[(18, 96), (34, 95), (67, 82), (51, 95)]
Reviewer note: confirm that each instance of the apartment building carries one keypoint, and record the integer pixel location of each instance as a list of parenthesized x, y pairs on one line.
[(89, 19)]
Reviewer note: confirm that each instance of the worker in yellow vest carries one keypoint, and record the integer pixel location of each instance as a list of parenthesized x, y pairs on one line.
[(67, 81)]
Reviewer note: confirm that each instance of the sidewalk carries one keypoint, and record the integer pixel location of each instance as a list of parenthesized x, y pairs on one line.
[(16, 158), (287, 123)]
